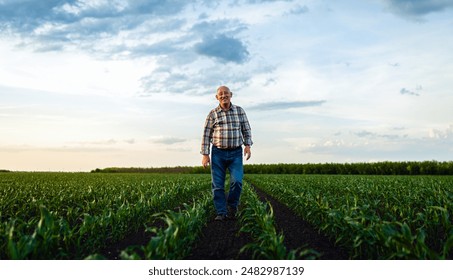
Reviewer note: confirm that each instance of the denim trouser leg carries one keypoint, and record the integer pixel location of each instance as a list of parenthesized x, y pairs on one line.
[(221, 161), (236, 173)]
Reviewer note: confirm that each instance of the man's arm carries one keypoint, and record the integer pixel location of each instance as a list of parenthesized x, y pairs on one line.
[(206, 141), (205, 161), (247, 135), (247, 152)]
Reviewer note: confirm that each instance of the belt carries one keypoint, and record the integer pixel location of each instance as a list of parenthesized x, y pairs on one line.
[(228, 149)]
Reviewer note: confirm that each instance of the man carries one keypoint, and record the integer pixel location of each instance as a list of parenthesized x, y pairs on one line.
[(227, 128)]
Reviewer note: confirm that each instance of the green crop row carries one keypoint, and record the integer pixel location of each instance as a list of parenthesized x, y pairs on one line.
[(70, 216), (374, 217), (257, 219), (174, 241)]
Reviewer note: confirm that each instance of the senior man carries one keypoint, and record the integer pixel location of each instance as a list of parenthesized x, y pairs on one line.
[(227, 129)]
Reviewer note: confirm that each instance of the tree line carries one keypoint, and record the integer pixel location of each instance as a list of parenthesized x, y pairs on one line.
[(373, 168)]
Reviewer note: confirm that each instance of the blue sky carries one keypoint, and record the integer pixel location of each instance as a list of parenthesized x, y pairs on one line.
[(96, 83)]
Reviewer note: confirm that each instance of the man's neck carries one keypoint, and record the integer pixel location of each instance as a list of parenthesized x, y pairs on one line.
[(225, 107)]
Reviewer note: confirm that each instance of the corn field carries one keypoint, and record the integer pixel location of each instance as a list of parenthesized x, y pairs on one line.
[(72, 216), (373, 217), (76, 215)]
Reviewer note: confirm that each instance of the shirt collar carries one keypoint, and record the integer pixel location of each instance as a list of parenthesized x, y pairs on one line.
[(232, 108)]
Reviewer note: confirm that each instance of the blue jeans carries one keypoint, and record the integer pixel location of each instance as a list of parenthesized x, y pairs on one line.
[(221, 161)]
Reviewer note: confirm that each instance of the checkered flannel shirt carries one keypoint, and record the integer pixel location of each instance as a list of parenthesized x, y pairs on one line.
[(226, 129)]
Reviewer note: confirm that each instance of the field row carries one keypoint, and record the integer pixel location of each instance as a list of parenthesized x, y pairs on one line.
[(70, 216), (373, 217)]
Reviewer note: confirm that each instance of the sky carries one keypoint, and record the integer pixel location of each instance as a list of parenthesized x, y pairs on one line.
[(88, 84)]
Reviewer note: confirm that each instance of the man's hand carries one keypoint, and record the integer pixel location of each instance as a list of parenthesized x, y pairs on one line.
[(247, 152), (205, 160)]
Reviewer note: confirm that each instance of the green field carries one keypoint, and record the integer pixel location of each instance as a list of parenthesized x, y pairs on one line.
[(75, 215), (374, 217)]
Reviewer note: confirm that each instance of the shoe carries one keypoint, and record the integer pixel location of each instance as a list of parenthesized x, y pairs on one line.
[(232, 213), (230, 217), (220, 218)]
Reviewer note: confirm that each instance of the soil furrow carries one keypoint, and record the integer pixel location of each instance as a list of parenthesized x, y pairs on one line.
[(221, 240), (113, 250), (299, 233)]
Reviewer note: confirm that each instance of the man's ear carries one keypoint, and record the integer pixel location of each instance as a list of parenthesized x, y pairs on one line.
[(231, 93)]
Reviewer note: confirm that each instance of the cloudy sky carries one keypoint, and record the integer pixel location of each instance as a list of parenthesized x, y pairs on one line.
[(88, 84)]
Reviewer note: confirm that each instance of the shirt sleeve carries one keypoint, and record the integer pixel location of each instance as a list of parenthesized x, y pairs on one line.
[(246, 129), (207, 135)]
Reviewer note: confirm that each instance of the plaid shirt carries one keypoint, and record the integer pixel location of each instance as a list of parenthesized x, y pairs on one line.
[(226, 129)]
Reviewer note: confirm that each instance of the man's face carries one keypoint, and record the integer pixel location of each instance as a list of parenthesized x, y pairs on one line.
[(223, 96)]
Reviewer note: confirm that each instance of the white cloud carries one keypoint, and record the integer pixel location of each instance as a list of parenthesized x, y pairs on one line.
[(446, 134), (282, 105), (167, 140)]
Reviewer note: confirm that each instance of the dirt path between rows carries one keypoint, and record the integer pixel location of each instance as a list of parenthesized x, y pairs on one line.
[(299, 233), (222, 240), (113, 249)]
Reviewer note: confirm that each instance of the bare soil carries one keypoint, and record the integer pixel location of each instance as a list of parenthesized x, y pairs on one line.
[(300, 234)]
